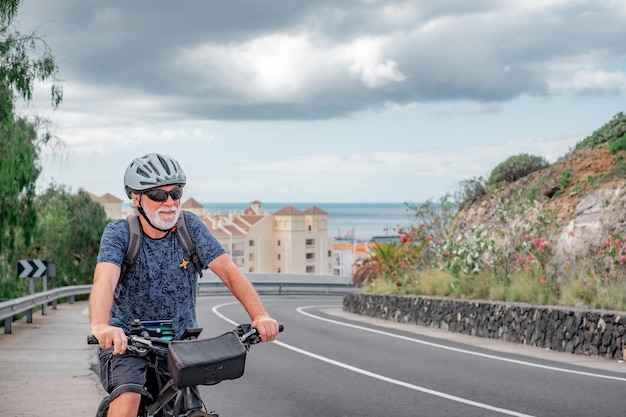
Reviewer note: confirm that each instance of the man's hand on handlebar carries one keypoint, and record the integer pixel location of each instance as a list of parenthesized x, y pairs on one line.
[(267, 328), (110, 336)]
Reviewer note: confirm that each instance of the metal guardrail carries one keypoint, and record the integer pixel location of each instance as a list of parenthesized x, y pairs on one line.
[(283, 283), (263, 283), (10, 308), (280, 287)]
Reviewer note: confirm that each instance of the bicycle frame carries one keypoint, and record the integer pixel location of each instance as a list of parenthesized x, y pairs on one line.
[(187, 401)]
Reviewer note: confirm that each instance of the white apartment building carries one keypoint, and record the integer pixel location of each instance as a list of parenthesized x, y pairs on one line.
[(346, 257), (289, 241)]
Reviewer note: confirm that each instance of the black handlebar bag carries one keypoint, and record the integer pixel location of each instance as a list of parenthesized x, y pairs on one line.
[(206, 361)]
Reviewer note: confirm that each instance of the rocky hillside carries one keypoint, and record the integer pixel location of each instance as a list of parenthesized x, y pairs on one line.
[(583, 198)]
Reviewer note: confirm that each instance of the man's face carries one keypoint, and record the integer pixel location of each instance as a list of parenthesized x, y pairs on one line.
[(161, 205)]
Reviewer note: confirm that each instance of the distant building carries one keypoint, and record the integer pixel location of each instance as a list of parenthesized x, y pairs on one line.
[(302, 245), (347, 255), (112, 205), (193, 206), (387, 239), (289, 241)]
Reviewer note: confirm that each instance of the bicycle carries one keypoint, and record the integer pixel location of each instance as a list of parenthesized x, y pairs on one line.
[(191, 362)]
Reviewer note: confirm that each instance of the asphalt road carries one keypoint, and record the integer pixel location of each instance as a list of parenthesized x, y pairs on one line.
[(329, 363), (326, 363)]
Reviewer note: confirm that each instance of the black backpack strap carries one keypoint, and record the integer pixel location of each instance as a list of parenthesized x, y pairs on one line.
[(188, 244), (135, 234)]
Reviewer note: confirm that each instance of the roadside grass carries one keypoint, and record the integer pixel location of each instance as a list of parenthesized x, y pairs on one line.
[(576, 290)]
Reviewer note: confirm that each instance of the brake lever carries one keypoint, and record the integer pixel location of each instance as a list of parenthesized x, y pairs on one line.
[(145, 345), (252, 332)]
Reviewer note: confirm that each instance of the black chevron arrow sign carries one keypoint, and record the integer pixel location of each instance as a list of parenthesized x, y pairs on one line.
[(31, 268)]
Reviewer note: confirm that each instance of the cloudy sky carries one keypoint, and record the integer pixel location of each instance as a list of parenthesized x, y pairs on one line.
[(324, 101)]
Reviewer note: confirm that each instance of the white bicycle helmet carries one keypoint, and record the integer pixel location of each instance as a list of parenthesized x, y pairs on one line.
[(152, 170)]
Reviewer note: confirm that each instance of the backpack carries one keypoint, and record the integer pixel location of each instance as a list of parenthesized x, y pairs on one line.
[(136, 235)]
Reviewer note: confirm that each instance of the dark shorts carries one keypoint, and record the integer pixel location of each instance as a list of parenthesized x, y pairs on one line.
[(128, 373)]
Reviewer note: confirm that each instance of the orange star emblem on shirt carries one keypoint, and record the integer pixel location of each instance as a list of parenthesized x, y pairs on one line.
[(184, 263)]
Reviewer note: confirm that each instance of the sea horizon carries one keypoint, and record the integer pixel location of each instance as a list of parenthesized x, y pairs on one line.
[(360, 221)]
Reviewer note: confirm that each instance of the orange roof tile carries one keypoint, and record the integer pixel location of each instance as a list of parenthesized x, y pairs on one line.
[(218, 233), (110, 198), (191, 204), (233, 230), (289, 211), (106, 198), (315, 210), (241, 223), (358, 247), (215, 232), (251, 219)]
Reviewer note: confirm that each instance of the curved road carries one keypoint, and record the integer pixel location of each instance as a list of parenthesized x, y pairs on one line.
[(328, 363)]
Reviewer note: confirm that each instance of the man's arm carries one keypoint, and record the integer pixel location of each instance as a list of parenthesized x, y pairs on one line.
[(243, 290), (105, 280)]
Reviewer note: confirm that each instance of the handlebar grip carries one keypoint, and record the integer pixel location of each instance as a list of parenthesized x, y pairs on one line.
[(91, 340)]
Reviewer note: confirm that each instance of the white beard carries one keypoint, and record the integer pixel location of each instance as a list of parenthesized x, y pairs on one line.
[(163, 223)]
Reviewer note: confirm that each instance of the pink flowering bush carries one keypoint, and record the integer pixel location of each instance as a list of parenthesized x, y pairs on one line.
[(513, 262), (422, 240), (609, 261)]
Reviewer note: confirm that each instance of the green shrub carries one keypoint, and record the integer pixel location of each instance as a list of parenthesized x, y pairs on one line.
[(617, 144), (436, 282), (516, 167), (615, 128), (470, 191), (565, 177)]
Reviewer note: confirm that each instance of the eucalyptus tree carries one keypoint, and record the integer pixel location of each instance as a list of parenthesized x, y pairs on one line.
[(24, 60), (69, 228)]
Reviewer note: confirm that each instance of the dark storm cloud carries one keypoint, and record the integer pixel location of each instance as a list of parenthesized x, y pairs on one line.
[(212, 58)]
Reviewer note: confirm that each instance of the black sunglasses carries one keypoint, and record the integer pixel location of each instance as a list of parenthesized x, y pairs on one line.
[(161, 195)]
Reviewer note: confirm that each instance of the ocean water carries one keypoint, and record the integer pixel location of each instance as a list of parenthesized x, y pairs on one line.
[(360, 221)]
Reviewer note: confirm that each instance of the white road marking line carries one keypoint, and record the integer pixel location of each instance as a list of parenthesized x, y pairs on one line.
[(468, 352), (381, 377)]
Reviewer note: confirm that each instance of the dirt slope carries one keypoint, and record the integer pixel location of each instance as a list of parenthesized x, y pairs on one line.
[(584, 194)]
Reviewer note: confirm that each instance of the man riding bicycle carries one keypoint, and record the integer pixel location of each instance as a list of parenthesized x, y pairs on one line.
[(162, 283)]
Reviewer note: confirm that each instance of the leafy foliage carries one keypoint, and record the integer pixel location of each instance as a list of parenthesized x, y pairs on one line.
[(68, 232), (415, 249), (437, 216), (617, 144), (24, 59), (513, 256), (365, 272), (512, 260), (516, 167), (8, 8), (20, 142), (612, 131), (18, 173), (470, 191)]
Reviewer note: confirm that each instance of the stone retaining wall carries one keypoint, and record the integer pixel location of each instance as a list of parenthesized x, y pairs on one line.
[(586, 332)]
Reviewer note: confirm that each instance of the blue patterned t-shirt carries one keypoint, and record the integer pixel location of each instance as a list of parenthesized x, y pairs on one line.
[(163, 284)]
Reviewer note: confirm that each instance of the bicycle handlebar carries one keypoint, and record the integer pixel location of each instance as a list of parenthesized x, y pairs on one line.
[(144, 343)]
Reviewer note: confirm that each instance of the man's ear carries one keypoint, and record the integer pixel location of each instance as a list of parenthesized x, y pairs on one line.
[(135, 198)]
